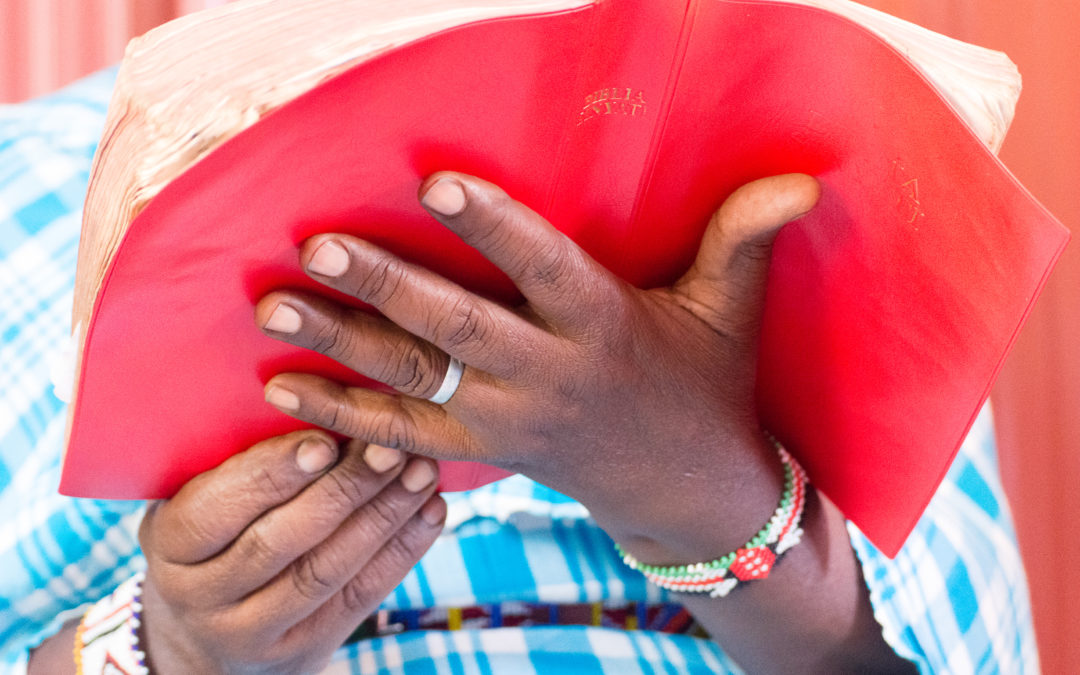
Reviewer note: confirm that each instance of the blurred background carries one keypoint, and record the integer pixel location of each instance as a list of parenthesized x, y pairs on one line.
[(45, 44)]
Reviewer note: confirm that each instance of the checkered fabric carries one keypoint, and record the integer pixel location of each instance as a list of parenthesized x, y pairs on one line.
[(953, 601)]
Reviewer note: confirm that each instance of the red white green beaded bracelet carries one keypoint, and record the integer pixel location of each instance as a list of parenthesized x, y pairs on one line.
[(107, 639), (751, 562)]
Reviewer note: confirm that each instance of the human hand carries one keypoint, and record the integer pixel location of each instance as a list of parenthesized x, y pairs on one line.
[(638, 403), (267, 563)]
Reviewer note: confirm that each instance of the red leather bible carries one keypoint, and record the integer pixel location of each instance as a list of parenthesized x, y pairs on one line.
[(889, 310)]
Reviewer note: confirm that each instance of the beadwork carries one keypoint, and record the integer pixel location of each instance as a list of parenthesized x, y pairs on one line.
[(107, 639), (751, 562)]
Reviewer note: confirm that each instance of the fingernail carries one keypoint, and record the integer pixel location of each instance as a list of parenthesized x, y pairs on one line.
[(445, 197), (314, 455), (329, 260), (434, 510), (417, 476), (284, 319), (381, 459), (283, 399)]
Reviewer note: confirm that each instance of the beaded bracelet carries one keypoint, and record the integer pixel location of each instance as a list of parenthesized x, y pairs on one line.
[(107, 639), (751, 562)]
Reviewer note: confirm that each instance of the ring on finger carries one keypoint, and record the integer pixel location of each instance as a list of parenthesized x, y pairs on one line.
[(450, 381)]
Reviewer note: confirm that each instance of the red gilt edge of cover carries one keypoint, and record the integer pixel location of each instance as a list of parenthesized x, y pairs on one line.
[(889, 310)]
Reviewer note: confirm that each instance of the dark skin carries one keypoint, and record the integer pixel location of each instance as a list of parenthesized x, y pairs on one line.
[(267, 563), (592, 379), (637, 403)]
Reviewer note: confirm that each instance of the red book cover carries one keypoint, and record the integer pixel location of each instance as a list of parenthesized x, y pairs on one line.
[(889, 310)]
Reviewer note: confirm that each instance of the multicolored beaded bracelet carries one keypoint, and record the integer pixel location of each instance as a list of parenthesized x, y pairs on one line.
[(751, 562), (107, 639)]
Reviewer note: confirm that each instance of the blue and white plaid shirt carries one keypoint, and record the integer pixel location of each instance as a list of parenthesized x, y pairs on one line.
[(953, 601)]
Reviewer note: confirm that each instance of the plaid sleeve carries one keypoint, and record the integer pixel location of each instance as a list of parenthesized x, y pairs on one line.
[(55, 553), (954, 600)]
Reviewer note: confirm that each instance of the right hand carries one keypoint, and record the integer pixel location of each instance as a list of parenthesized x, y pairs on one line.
[(267, 563), (590, 378)]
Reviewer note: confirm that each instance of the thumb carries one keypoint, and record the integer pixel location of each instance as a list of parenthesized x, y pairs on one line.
[(725, 286)]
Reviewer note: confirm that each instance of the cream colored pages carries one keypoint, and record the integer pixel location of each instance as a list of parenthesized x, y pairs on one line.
[(192, 84), (982, 85), (188, 86)]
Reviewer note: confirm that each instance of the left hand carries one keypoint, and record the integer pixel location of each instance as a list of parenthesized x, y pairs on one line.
[(639, 403), (267, 562)]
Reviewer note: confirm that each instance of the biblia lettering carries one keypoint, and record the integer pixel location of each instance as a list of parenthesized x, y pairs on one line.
[(613, 101)]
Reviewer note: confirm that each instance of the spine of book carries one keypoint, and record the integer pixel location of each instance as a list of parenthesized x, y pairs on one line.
[(629, 64)]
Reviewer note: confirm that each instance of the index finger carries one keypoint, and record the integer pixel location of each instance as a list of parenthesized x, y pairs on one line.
[(212, 509), (559, 279)]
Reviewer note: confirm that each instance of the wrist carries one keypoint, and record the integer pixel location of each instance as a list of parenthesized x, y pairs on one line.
[(682, 516), (167, 647), (54, 655), (753, 560)]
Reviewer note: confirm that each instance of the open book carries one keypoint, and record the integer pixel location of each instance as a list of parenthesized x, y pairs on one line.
[(236, 133)]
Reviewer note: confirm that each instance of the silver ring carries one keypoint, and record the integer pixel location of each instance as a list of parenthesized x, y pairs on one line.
[(450, 382)]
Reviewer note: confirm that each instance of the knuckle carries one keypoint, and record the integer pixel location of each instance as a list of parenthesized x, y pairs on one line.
[(395, 559), (310, 580), (357, 596), (551, 265), (259, 548), (266, 483), (494, 230), (381, 517), (330, 338), (548, 266), (334, 414), (466, 324), (395, 429), (410, 371), (407, 547), (347, 489), (495, 220), (381, 283), (193, 532)]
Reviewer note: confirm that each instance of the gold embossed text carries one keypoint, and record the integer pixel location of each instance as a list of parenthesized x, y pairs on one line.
[(613, 101)]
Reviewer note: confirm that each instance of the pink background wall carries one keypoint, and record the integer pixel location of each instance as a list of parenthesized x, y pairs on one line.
[(1037, 396), (45, 43)]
